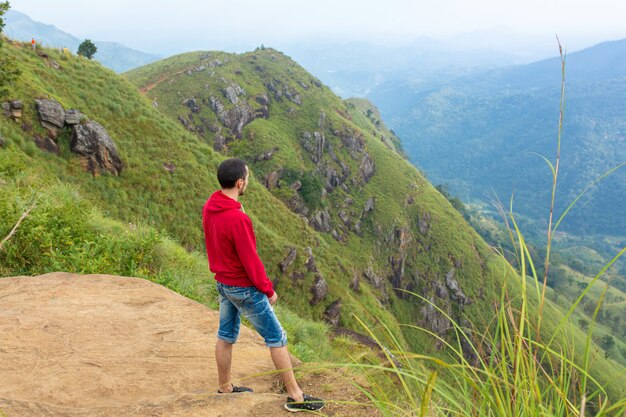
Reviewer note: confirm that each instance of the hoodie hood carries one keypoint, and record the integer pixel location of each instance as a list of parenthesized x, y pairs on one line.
[(219, 202)]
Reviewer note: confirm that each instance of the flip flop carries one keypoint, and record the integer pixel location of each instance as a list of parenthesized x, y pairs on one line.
[(237, 390)]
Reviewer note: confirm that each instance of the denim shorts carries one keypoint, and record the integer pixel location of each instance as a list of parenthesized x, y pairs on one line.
[(255, 306)]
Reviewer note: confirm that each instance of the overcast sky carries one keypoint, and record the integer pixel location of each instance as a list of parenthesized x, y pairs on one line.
[(181, 25)]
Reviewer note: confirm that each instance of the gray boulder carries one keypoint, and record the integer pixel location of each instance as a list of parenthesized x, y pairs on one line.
[(319, 289), (73, 117), (453, 285), (288, 260), (332, 315), (51, 115), (367, 168), (92, 141)]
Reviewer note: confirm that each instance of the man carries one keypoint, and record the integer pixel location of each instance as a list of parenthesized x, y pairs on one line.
[(243, 285)]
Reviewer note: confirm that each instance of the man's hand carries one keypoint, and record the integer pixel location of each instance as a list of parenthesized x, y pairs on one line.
[(273, 298)]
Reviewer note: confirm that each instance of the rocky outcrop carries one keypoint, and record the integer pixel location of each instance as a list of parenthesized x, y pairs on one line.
[(314, 144), (271, 180), (293, 253), (456, 292), (369, 206), (265, 156), (193, 104), (375, 280), (235, 119), (423, 223), (13, 109), (321, 221), (355, 284), (51, 116), (219, 143), (310, 264), (367, 168), (99, 152), (435, 321), (353, 142), (297, 204), (332, 315), (319, 289), (233, 92)]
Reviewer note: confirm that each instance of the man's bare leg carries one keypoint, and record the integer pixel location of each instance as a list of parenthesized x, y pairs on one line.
[(282, 362), (224, 356)]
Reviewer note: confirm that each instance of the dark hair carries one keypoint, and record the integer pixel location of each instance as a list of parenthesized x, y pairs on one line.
[(230, 171)]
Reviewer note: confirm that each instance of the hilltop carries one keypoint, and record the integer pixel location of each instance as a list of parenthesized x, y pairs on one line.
[(105, 345), (113, 55)]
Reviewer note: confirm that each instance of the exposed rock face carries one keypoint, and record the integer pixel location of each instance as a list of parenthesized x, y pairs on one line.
[(367, 167), (314, 145), (263, 100), (456, 292), (293, 253), (271, 179), (51, 115), (235, 119), (353, 142), (319, 289), (424, 223), (192, 103), (332, 315), (232, 93), (369, 205), (436, 321), (372, 278), (310, 262), (355, 284), (219, 143), (297, 204), (93, 142), (321, 221)]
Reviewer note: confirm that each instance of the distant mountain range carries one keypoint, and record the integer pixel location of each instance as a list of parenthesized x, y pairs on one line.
[(354, 69), (477, 134), (110, 54)]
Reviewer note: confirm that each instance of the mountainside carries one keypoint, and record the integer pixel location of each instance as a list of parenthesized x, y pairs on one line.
[(111, 54), (344, 223), (478, 134)]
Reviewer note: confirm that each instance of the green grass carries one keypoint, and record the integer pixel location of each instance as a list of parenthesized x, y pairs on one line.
[(146, 222)]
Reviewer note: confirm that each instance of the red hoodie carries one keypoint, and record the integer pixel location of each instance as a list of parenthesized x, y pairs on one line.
[(231, 245)]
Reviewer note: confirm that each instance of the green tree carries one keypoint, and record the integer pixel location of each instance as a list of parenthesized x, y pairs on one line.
[(607, 344), (8, 68), (87, 49)]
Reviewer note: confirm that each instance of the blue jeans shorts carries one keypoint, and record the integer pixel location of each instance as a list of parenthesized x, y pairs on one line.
[(255, 306)]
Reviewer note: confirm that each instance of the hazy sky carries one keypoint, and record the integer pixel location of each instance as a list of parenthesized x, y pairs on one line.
[(158, 26)]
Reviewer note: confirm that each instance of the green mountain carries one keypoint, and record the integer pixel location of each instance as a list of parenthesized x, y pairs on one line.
[(344, 223), (480, 135), (113, 55)]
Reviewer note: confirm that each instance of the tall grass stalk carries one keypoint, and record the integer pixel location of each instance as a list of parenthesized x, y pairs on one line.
[(505, 369)]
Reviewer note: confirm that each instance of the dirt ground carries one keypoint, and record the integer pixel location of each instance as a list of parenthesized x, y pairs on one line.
[(101, 345)]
